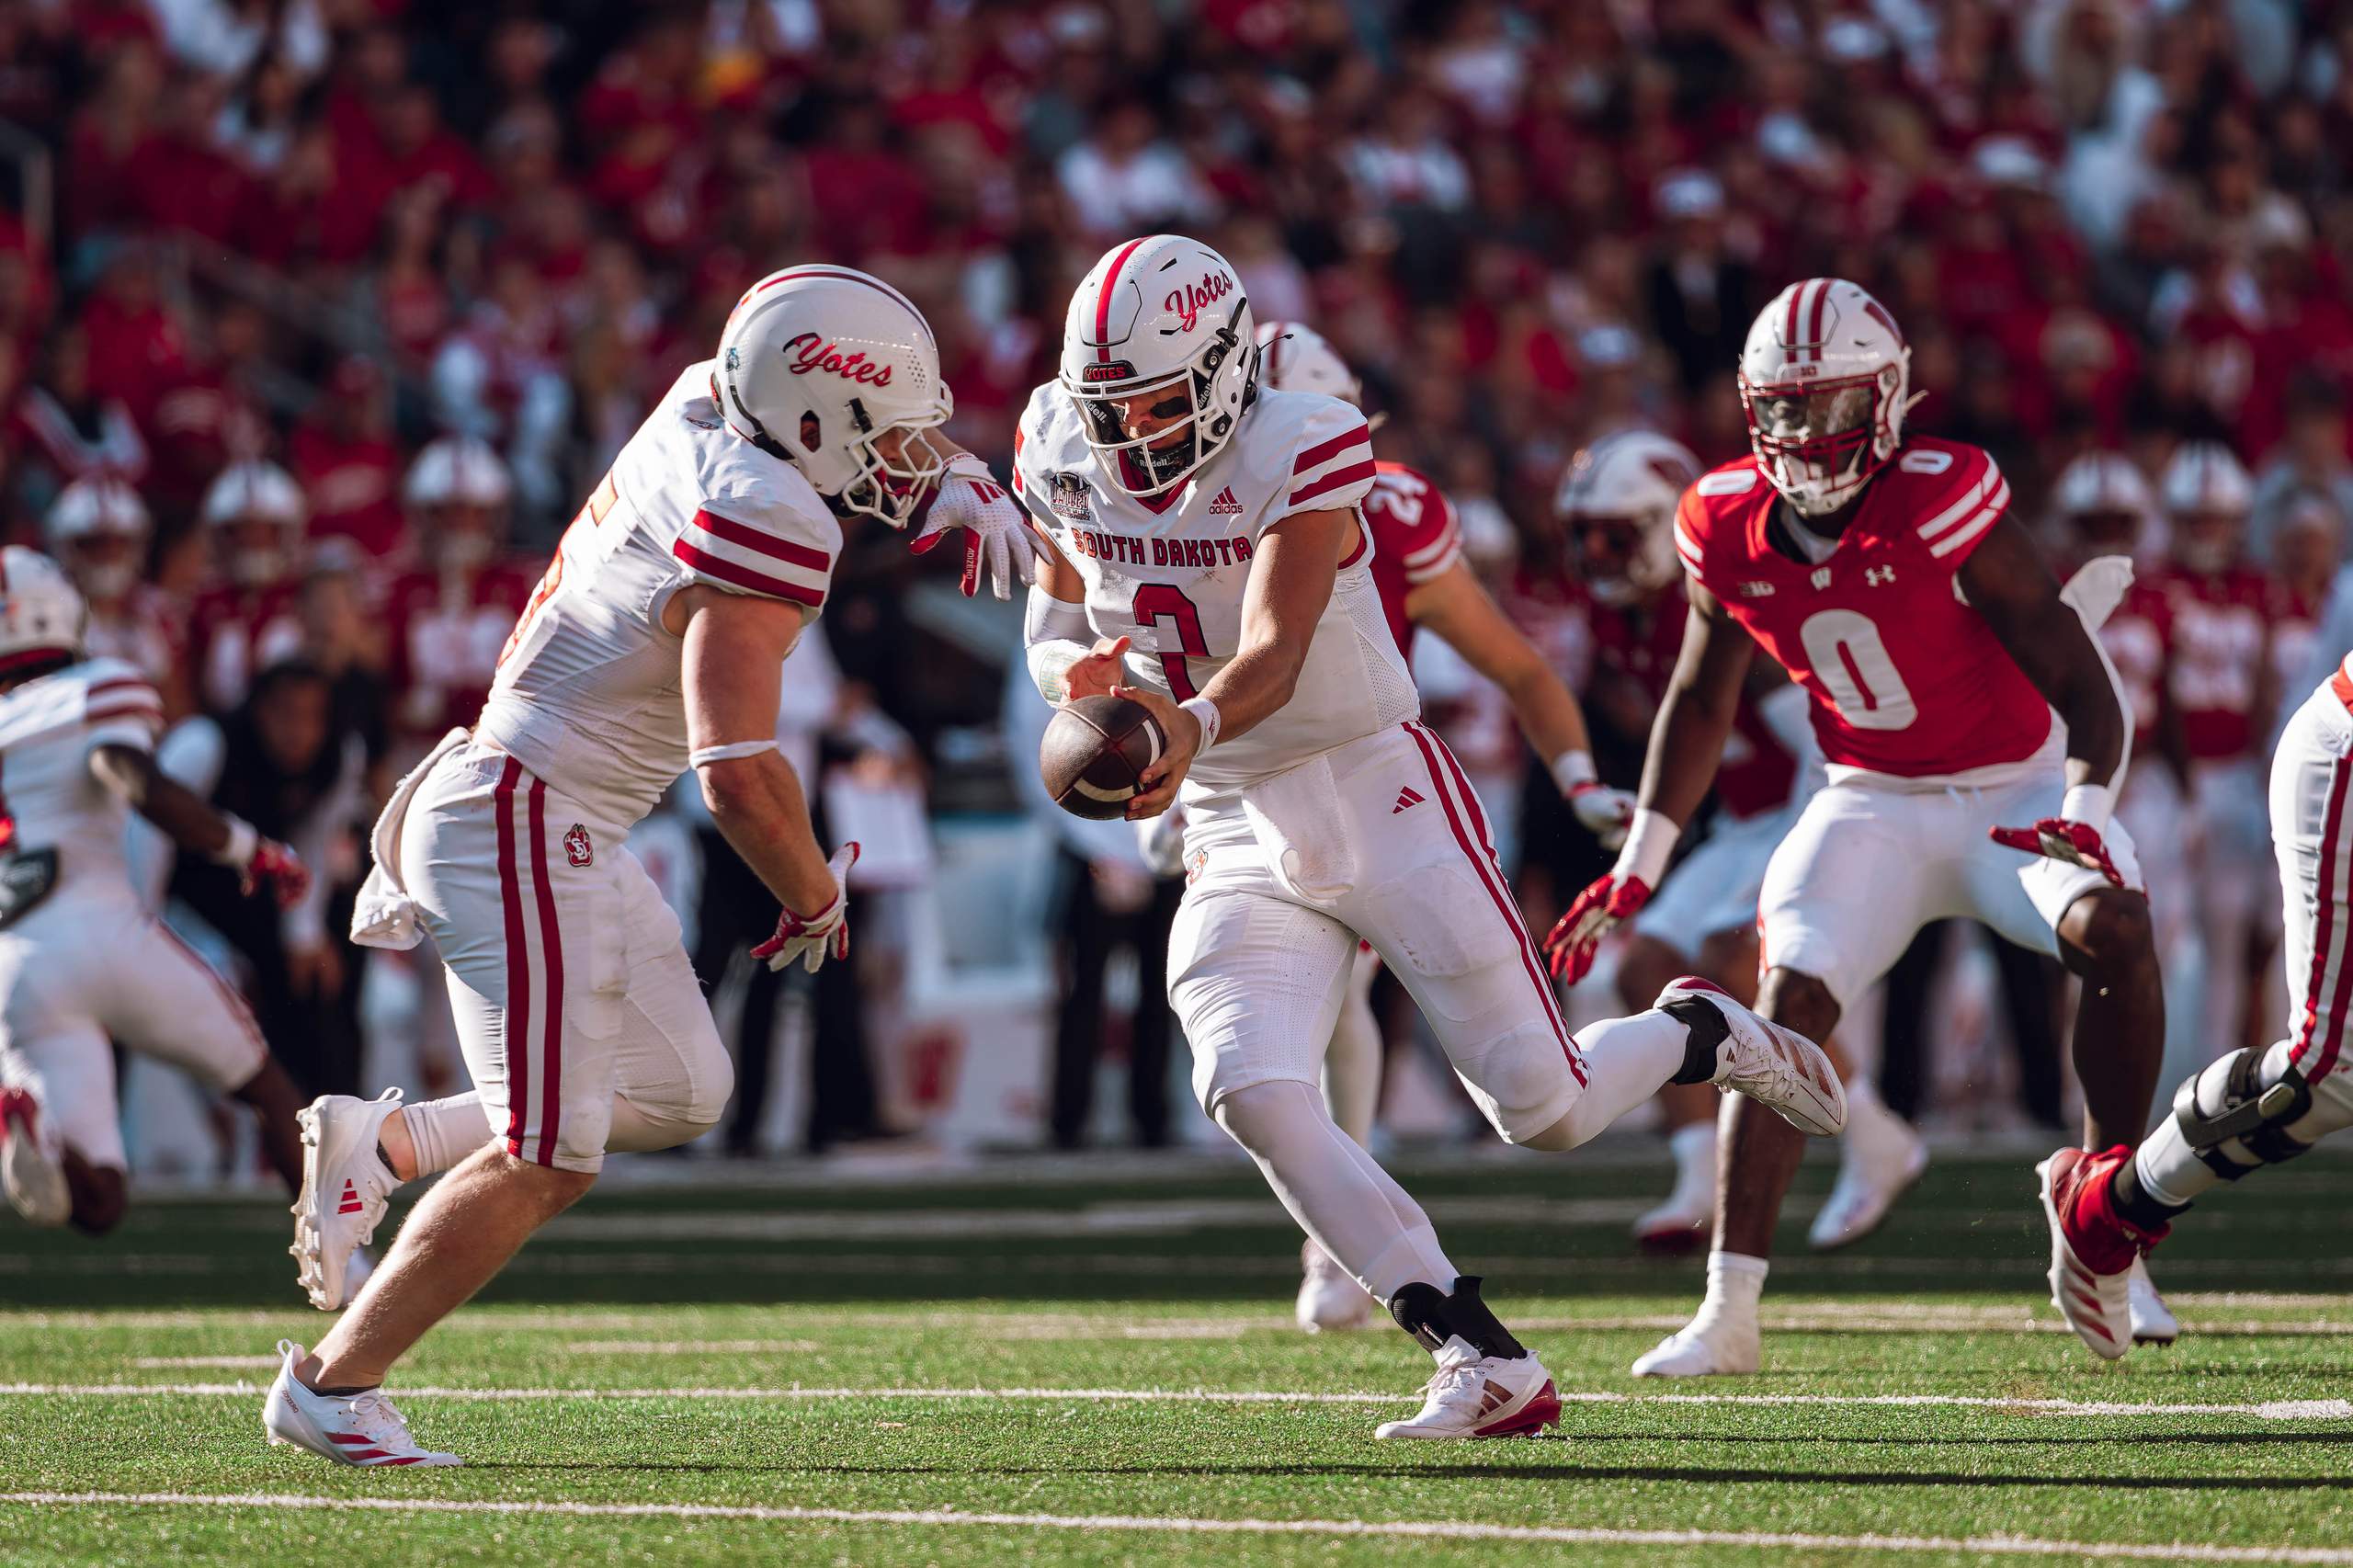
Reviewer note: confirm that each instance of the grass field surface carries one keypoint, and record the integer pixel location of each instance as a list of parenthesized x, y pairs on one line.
[(1094, 1363)]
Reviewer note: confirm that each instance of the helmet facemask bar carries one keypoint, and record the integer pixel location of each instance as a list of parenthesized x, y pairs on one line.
[(1161, 463), (891, 486), (1819, 441)]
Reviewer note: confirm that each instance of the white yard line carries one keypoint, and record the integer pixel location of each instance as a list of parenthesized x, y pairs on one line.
[(2269, 1410), (1416, 1529)]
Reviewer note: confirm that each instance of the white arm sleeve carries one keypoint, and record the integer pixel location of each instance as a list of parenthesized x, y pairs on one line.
[(1055, 633)]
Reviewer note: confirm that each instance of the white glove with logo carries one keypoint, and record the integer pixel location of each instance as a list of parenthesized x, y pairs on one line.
[(810, 940), (998, 532)]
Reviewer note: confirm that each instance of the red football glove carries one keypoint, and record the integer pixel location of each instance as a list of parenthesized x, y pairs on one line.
[(277, 869), (811, 939), (2075, 843), (1577, 934)]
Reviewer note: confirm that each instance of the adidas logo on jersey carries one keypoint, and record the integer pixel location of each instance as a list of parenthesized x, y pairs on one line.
[(1223, 505), (1405, 797)]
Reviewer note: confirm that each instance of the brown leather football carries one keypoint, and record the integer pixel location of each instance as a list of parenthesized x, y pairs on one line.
[(1095, 751)]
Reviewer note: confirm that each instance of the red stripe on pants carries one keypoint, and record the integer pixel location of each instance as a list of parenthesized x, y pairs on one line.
[(2329, 933), (1432, 749), (518, 963), (552, 953)]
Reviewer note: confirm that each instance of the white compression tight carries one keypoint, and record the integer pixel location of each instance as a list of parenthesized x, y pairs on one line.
[(446, 1131), (1626, 1062), (1352, 1065), (1338, 1194)]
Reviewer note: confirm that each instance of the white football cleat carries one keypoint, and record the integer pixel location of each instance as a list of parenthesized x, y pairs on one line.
[(1878, 1159), (2153, 1321), (344, 1189), (1777, 1066), (360, 1429), (1330, 1300), (32, 1168), (1473, 1395), (2094, 1300), (1707, 1347)]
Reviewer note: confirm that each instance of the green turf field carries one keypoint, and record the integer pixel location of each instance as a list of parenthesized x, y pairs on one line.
[(1094, 1364)]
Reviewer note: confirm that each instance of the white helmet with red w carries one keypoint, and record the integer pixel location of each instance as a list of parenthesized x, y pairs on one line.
[(1826, 379), (41, 613), (96, 529), (1617, 500), (255, 512), (1292, 357), (1161, 313), (2208, 494), (836, 372), (2103, 503)]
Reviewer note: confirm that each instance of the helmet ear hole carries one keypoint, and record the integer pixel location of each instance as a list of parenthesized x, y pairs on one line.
[(813, 430)]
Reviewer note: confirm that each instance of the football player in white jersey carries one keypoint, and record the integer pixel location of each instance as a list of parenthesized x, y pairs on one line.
[(82, 958), (653, 645), (1215, 568)]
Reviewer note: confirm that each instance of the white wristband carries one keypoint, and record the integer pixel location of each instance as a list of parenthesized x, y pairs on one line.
[(1650, 844), (2088, 803), (703, 756), (243, 842), (1203, 710), (1571, 768)]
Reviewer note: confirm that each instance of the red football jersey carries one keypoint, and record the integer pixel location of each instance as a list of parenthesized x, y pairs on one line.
[(2220, 624), (1757, 771), (234, 633), (445, 643), (2138, 637), (1907, 680), (1415, 538)]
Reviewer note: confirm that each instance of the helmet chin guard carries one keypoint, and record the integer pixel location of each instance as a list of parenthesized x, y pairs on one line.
[(1825, 383)]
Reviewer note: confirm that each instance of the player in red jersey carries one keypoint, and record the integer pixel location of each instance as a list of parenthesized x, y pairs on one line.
[(1885, 573), (248, 619), (1424, 584), (449, 616), (2220, 688), (97, 530)]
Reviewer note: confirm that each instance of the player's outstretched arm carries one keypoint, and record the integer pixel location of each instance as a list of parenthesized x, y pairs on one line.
[(1686, 741), (1290, 582), (1453, 607), (733, 670), (194, 824), (2008, 585)]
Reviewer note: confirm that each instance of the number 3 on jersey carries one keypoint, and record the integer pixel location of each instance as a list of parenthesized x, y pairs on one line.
[(1156, 600), (1851, 662)]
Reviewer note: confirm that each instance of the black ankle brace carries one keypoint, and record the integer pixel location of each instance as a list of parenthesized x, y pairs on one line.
[(1433, 1317), (2136, 1206), (1709, 1029)]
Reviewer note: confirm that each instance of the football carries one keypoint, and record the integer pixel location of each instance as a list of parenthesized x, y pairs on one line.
[(1095, 751)]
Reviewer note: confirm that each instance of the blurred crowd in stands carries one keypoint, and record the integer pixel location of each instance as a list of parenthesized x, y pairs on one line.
[(336, 309)]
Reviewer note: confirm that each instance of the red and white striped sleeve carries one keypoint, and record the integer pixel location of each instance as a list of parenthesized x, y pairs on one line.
[(120, 707), (1692, 534), (1960, 514), (1332, 466), (1413, 523), (777, 556)]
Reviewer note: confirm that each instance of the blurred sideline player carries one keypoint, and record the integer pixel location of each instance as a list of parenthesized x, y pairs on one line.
[(448, 616), (653, 645), (1213, 526), (250, 617), (83, 961), (97, 530), (1617, 508), (1886, 576), (2255, 1106), (1418, 570)]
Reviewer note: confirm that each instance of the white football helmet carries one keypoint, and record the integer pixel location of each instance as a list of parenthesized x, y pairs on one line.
[(1159, 313), (836, 372), (96, 529), (1293, 358), (256, 513), (41, 613), (1616, 503), (2208, 496), (1825, 380), (2103, 505), (457, 471)]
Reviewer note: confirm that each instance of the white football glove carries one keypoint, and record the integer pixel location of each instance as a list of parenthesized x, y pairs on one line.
[(810, 940), (998, 532)]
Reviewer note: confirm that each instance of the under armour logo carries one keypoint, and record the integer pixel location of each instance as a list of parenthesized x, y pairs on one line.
[(1405, 797), (1879, 576), (1757, 590), (1822, 576)]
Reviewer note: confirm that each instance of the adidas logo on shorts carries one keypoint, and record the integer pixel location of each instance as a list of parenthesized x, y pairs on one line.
[(1405, 797)]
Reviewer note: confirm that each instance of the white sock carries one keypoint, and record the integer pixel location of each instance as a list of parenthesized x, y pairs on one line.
[(1338, 1194), (446, 1131), (1352, 1065), (1735, 1282), (1694, 1147), (1626, 1062)]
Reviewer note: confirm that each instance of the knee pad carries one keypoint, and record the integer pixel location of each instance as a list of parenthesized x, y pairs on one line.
[(2233, 1121), (1255, 1115)]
